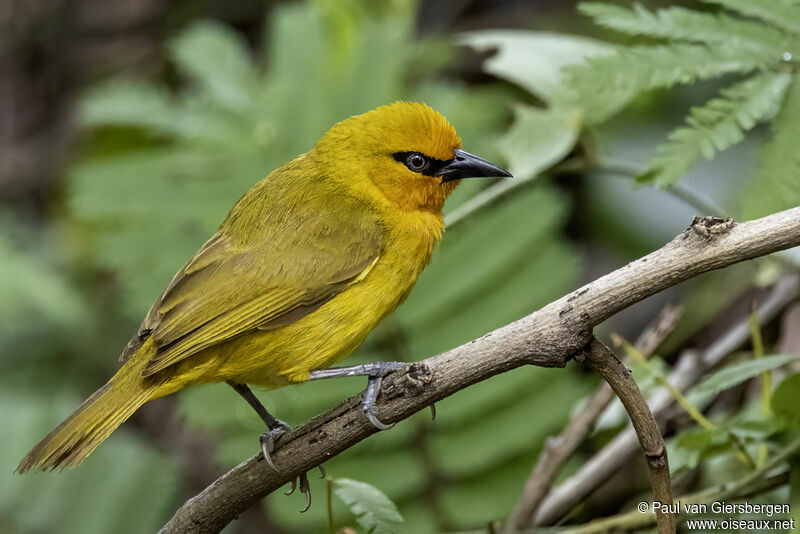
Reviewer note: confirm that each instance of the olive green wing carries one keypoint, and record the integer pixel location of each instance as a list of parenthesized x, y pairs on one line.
[(229, 288)]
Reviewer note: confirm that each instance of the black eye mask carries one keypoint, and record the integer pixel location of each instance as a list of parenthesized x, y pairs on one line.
[(463, 165)]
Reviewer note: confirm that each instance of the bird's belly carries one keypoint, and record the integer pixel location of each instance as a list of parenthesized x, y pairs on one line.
[(274, 358)]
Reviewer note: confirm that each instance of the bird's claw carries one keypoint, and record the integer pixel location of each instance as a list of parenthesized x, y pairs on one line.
[(306, 490), (370, 410), (374, 388), (268, 440)]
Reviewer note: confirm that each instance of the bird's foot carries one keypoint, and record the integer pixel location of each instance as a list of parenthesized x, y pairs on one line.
[(305, 488), (269, 438), (375, 372)]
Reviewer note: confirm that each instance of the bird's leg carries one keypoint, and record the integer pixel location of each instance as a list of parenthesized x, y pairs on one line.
[(276, 427), (374, 371)]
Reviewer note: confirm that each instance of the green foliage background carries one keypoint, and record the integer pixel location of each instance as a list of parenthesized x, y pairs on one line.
[(161, 164)]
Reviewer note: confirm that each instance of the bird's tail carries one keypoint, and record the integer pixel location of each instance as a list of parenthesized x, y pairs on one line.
[(80, 433)]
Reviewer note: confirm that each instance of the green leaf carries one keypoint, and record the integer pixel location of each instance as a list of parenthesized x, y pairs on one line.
[(682, 24), (217, 60), (607, 84), (781, 13), (539, 138), (776, 183), (756, 430), (130, 103), (696, 438), (736, 374), (694, 444), (533, 60), (373, 510), (786, 398), (717, 126)]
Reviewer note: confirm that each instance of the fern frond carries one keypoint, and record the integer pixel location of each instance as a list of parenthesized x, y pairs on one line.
[(783, 14), (605, 84), (718, 125), (680, 24), (776, 183)]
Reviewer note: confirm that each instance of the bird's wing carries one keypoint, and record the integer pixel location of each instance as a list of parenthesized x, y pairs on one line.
[(227, 289)]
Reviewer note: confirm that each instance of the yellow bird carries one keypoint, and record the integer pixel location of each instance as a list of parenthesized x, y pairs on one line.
[(303, 267)]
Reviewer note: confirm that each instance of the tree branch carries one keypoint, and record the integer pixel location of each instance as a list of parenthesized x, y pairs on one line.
[(547, 337), (688, 370), (557, 450)]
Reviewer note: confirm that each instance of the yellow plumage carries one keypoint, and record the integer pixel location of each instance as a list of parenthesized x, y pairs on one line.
[(304, 266)]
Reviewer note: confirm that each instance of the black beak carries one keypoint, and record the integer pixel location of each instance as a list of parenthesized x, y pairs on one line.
[(465, 165)]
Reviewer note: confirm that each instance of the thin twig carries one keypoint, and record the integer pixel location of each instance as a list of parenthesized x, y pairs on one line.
[(557, 450), (679, 190), (654, 335), (547, 337)]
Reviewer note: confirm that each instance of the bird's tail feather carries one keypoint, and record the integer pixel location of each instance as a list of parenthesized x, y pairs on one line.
[(80, 433)]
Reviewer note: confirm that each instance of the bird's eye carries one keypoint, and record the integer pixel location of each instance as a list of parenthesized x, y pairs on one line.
[(416, 162)]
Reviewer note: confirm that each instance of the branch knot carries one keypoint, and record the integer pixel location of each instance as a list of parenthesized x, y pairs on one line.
[(418, 376), (708, 227)]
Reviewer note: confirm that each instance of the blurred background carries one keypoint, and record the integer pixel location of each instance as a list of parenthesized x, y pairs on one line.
[(127, 131)]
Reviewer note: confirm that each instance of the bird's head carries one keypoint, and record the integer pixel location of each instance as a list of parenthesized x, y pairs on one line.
[(405, 152)]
